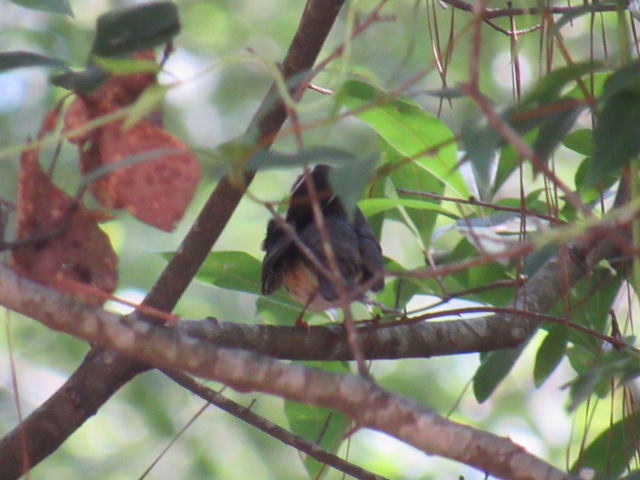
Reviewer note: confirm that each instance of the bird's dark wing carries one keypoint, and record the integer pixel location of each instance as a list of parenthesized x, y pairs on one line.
[(275, 245), (370, 251), (345, 248)]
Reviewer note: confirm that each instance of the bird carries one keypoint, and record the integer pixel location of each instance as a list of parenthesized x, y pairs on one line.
[(355, 246)]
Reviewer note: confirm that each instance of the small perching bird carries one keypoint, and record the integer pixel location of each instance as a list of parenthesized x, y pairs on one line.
[(356, 249)]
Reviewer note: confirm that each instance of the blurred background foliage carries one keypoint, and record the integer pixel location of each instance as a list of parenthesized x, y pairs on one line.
[(219, 74)]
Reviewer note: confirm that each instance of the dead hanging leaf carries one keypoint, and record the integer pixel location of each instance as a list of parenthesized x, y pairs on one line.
[(75, 117), (150, 173), (79, 253), (50, 120), (159, 186)]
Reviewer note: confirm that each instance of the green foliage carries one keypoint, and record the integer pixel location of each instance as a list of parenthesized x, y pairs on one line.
[(321, 426), (53, 6), (494, 368), (612, 451), (125, 31), (551, 352), (121, 33), (409, 129)]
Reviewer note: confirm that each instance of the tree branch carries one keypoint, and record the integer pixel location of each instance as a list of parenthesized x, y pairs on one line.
[(246, 415), (102, 373), (512, 12), (368, 405)]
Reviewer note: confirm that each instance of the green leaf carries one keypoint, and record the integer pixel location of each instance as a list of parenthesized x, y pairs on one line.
[(612, 451), (483, 274), (615, 137), (549, 87), (580, 141), (398, 291), (626, 78), (126, 66), (409, 129), (376, 189), (319, 425), (349, 180), (348, 176), (232, 270), (265, 159), (594, 86), (53, 6), (509, 161), (574, 13), (553, 130), (83, 81), (148, 101), (124, 31), (372, 206), (241, 272), (550, 353), (601, 369), (588, 193), (481, 142), (413, 177), (20, 59), (494, 368), (279, 309)]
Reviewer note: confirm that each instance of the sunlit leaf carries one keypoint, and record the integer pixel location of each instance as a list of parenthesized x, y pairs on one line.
[(412, 176), (371, 206), (232, 270), (126, 66), (409, 129), (53, 6)]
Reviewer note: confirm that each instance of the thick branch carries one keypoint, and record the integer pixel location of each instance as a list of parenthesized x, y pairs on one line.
[(424, 339), (367, 404), (96, 380)]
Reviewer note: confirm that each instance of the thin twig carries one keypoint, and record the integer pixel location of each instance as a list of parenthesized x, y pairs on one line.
[(275, 431), (479, 203)]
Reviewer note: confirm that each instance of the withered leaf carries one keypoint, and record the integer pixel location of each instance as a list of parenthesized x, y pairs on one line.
[(158, 174), (160, 183), (80, 253)]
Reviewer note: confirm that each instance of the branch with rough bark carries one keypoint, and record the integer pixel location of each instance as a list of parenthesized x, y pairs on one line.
[(368, 405), (324, 342), (329, 342)]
